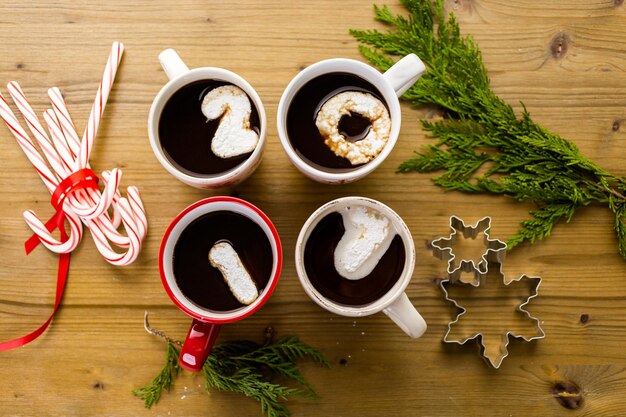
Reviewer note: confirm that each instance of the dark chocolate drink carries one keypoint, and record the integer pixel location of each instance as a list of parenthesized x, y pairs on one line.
[(304, 134), (319, 263), (204, 284), (185, 134)]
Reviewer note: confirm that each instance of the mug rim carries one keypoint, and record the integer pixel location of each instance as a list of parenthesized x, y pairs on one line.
[(211, 316), (186, 78), (386, 299), (374, 77)]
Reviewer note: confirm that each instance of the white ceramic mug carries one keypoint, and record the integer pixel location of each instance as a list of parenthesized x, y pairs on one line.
[(179, 76), (395, 303), (392, 84)]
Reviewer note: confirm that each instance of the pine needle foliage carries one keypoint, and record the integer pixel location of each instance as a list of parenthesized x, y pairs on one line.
[(247, 368), (481, 145), (151, 394)]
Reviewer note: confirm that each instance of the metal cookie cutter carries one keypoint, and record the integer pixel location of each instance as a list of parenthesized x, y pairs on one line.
[(488, 300), (494, 334), (443, 249)]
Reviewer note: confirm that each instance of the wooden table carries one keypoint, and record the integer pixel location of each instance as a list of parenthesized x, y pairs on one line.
[(565, 60)]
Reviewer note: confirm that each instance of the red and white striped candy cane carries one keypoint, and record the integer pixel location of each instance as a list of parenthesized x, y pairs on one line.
[(86, 145), (59, 166), (107, 225), (66, 124), (29, 148), (65, 120), (102, 212)]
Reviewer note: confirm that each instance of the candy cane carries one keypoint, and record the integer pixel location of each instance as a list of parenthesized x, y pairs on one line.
[(67, 125), (59, 166), (109, 226), (99, 103), (67, 155), (65, 120), (27, 145)]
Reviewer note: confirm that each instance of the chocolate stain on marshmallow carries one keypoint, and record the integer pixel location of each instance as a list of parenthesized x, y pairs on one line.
[(366, 106), (368, 235), (224, 257), (233, 136)]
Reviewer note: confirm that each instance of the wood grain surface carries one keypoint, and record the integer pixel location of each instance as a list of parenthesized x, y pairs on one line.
[(565, 60)]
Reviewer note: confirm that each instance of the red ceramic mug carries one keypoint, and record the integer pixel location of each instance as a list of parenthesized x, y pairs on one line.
[(206, 323)]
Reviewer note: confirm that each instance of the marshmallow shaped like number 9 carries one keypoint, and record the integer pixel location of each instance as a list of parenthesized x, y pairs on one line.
[(378, 268)]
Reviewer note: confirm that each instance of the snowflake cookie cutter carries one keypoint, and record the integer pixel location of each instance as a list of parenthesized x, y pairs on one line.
[(443, 248), (492, 352)]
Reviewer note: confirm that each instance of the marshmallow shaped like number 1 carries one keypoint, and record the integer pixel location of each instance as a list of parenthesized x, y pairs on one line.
[(224, 257)]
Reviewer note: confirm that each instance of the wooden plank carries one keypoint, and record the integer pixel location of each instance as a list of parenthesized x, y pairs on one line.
[(565, 61)]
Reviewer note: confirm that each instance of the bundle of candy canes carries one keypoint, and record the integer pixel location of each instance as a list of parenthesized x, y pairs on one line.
[(68, 176)]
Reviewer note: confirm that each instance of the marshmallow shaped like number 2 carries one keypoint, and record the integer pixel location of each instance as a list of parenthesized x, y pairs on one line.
[(233, 136)]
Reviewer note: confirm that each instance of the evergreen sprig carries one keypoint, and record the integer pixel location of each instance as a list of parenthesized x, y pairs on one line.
[(247, 368), (482, 145), (163, 381)]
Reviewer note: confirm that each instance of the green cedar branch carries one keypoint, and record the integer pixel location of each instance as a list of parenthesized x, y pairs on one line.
[(481, 145), (247, 368), (151, 394)]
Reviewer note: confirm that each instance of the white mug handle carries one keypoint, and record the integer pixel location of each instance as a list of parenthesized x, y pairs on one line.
[(402, 312), (172, 64), (404, 73)]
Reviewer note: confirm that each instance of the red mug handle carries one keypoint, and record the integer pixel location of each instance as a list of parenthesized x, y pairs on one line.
[(198, 345)]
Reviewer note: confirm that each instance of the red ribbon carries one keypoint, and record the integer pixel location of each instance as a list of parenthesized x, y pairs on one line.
[(84, 178)]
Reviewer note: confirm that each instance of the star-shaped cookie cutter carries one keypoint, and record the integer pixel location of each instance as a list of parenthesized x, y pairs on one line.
[(495, 360), (443, 248)]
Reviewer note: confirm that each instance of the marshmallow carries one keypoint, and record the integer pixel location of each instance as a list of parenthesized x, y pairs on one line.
[(233, 136), (368, 106), (368, 235), (224, 257)]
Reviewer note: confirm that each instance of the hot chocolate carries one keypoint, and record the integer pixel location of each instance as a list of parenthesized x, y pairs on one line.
[(306, 136), (186, 135), (204, 284), (320, 259)]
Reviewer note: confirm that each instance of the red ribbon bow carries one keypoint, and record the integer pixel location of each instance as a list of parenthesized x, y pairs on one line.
[(84, 178)]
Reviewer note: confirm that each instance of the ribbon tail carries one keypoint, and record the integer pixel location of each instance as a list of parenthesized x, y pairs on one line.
[(64, 265)]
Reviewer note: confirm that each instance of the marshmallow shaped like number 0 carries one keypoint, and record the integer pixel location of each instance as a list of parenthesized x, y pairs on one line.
[(233, 136), (368, 106)]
